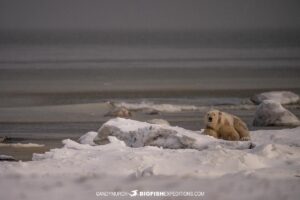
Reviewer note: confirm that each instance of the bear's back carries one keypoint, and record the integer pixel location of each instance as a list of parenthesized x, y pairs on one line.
[(225, 119)]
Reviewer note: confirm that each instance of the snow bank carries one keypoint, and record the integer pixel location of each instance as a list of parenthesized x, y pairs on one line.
[(139, 134), (78, 171), (273, 149), (272, 113), (282, 97)]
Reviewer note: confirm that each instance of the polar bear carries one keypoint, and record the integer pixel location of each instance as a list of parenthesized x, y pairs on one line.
[(225, 126)]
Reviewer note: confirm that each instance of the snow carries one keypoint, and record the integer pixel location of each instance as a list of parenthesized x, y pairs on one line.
[(271, 170), (272, 113), (88, 138), (282, 97)]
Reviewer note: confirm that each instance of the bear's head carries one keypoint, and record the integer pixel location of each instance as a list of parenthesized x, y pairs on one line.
[(211, 119)]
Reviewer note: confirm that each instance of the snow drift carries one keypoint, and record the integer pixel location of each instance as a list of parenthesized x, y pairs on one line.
[(77, 171)]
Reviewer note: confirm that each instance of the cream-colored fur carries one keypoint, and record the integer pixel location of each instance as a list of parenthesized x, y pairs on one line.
[(225, 126)]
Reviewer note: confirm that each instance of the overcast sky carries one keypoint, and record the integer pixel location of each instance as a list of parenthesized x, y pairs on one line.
[(149, 15)]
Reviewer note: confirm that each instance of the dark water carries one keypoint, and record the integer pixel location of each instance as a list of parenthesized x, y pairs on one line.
[(186, 68)]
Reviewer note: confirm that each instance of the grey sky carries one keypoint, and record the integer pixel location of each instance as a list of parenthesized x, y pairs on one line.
[(149, 15)]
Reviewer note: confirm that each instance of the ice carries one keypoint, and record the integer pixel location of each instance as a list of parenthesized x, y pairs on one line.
[(21, 145), (172, 108), (152, 108)]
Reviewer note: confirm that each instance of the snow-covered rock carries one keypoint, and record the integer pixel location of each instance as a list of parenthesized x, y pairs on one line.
[(272, 113), (282, 97), (88, 138), (139, 134), (159, 121)]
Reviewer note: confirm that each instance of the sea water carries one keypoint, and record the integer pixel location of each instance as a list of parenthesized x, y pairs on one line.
[(140, 69)]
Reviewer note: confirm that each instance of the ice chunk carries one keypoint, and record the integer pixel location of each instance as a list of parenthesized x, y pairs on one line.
[(272, 113)]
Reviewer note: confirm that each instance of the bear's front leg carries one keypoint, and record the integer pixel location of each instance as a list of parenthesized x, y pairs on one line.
[(210, 132), (229, 133)]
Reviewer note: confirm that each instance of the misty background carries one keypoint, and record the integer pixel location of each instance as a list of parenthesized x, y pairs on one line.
[(169, 22)]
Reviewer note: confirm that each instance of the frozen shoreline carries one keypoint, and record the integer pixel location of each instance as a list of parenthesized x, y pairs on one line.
[(77, 171)]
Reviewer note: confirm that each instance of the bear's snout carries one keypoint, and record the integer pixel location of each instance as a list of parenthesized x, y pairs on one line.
[(210, 119)]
